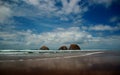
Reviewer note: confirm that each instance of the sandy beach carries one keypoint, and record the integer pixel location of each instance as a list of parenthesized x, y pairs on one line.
[(85, 63)]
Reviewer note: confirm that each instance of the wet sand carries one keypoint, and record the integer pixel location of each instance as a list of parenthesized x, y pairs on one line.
[(103, 63)]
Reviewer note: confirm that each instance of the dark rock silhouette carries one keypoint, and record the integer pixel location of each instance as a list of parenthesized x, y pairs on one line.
[(74, 47), (44, 48), (63, 48)]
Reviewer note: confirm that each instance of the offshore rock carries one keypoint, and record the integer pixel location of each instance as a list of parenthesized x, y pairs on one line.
[(44, 48), (74, 47), (63, 48)]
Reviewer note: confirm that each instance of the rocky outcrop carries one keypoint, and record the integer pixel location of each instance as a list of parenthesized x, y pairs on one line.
[(63, 48), (74, 47), (44, 48)]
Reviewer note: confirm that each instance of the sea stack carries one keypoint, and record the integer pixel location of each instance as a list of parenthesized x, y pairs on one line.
[(74, 47), (63, 48), (44, 48)]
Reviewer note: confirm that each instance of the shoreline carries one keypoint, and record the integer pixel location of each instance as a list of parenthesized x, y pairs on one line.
[(58, 57), (106, 63)]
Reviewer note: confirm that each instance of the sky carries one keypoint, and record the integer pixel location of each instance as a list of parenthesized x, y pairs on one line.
[(30, 24)]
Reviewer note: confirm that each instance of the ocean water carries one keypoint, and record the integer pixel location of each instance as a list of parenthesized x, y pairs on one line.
[(18, 52), (12, 55), (21, 55)]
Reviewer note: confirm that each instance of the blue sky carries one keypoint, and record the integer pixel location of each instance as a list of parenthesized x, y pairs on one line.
[(29, 24)]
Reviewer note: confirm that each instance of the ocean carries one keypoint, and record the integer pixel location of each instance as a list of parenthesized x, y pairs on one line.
[(18, 52), (8, 55)]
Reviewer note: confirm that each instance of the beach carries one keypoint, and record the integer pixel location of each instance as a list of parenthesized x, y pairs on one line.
[(66, 63)]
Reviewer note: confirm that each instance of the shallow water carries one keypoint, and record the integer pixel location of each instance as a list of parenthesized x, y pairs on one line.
[(17, 52), (34, 54)]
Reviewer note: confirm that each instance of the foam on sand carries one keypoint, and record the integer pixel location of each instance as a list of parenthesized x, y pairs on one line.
[(56, 57)]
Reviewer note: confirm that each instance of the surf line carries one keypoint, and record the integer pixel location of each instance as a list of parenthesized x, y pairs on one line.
[(62, 57), (87, 54)]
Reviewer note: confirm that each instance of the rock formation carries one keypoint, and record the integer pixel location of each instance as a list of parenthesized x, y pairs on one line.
[(63, 48), (74, 47), (44, 48)]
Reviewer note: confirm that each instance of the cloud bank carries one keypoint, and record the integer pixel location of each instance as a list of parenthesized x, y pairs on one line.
[(56, 38)]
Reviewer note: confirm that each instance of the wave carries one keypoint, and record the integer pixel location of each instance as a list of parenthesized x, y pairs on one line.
[(37, 51), (28, 51)]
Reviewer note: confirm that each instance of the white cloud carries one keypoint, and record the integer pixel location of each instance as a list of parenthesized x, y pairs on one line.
[(109, 42), (49, 8), (44, 5), (6, 35), (32, 2), (59, 36), (52, 39), (42, 8), (56, 38), (104, 28), (72, 6), (5, 13), (69, 7), (106, 3)]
